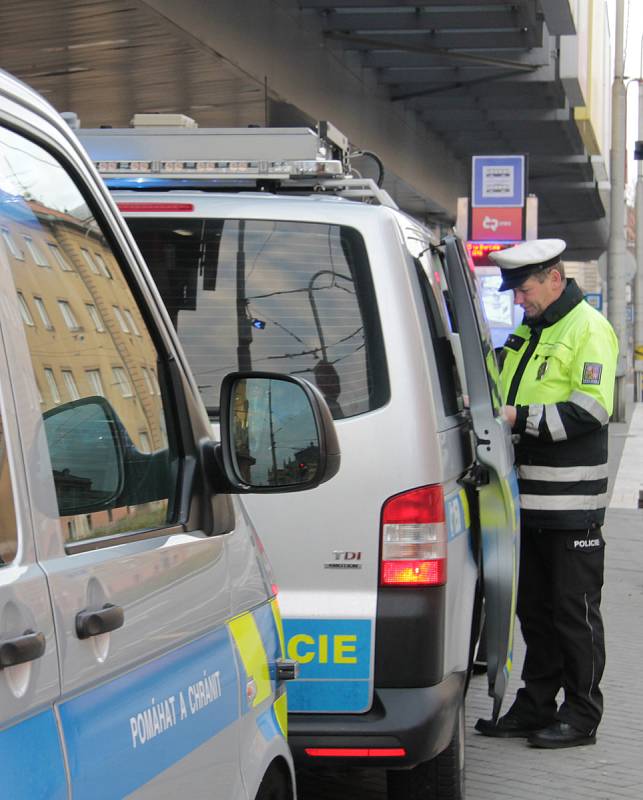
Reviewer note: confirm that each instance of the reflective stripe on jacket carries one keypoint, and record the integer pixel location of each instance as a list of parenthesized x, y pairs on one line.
[(559, 372)]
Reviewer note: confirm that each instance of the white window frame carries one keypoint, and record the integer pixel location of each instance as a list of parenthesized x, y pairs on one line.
[(35, 252), (131, 322), (145, 442), (148, 380), (25, 313), (95, 317), (155, 382), (93, 266), (122, 381), (120, 319), (51, 383), (68, 315), (95, 381), (59, 258), (70, 384), (102, 265), (42, 310), (11, 245)]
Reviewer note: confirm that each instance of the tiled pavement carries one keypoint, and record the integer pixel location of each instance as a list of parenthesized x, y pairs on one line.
[(508, 769)]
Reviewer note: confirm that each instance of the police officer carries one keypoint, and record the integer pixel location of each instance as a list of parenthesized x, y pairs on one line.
[(558, 378)]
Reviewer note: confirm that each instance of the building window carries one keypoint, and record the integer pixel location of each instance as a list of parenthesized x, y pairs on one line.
[(59, 258), (90, 261), (120, 318), (95, 317), (24, 310), (68, 315), (44, 316), (12, 247), (155, 382), (131, 322), (145, 446), (148, 380), (95, 382), (102, 265), (53, 386), (122, 381), (35, 252), (70, 383)]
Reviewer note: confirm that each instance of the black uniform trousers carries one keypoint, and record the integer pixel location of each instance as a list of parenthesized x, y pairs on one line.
[(559, 594)]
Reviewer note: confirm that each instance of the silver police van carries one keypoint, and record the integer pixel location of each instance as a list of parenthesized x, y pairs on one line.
[(268, 256), (141, 646)]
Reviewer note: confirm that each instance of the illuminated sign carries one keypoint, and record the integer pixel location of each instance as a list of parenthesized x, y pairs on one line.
[(497, 224), (479, 252)]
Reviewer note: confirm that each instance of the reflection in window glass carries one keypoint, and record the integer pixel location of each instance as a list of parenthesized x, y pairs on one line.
[(95, 382), (95, 317), (148, 380), (35, 252), (120, 319), (90, 261), (59, 258), (105, 484), (271, 295), (68, 315), (121, 380), (12, 247), (53, 386), (44, 316), (24, 310), (8, 527), (102, 265), (70, 383), (130, 322)]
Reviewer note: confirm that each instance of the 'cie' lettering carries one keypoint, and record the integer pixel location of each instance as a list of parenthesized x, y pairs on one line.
[(304, 649)]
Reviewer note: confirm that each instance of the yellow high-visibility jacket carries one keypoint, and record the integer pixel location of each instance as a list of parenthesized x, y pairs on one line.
[(559, 372)]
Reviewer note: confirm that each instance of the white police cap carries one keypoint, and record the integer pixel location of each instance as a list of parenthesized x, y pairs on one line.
[(519, 262)]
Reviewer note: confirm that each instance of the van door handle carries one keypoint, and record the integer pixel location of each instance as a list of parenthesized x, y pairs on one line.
[(284, 669), (21, 649), (93, 623)]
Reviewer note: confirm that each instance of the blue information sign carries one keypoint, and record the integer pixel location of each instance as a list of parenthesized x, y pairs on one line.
[(498, 181)]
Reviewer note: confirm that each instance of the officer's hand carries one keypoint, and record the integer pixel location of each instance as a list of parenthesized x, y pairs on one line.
[(509, 413)]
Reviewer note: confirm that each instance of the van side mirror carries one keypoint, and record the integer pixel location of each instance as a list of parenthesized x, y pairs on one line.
[(277, 433), (86, 455)]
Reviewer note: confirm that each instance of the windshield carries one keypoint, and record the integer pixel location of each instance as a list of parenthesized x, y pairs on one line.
[(278, 296)]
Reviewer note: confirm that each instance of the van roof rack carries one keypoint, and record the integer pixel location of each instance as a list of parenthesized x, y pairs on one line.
[(167, 151)]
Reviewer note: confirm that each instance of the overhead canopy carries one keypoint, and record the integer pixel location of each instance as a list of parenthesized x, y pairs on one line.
[(458, 79)]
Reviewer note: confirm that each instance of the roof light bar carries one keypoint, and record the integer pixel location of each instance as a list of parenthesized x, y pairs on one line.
[(255, 170)]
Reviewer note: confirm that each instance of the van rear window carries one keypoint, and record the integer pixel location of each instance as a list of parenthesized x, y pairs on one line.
[(279, 296)]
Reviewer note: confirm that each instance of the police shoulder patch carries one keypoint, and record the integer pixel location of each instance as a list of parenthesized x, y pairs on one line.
[(592, 373), (514, 342)]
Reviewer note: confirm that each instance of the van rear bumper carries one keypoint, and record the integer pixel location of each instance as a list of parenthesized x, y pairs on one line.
[(421, 720)]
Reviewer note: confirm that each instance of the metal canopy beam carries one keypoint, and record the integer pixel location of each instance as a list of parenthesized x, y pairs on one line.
[(459, 5), (460, 75), (468, 40), (507, 18)]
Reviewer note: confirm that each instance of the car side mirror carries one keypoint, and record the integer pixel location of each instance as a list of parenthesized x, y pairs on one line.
[(277, 434), (86, 455)]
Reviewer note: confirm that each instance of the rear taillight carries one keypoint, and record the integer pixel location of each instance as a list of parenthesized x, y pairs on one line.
[(356, 752), (414, 538)]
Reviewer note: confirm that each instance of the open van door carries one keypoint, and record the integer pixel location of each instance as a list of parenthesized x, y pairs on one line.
[(496, 480)]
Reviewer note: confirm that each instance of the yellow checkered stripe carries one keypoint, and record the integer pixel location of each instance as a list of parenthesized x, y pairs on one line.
[(251, 648)]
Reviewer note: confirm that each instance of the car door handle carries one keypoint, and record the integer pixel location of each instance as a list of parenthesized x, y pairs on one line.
[(93, 623), (21, 649)]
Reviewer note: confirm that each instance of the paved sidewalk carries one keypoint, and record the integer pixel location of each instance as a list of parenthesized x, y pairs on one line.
[(613, 768)]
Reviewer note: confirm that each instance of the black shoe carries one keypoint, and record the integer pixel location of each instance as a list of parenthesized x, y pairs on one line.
[(560, 734), (511, 726)]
